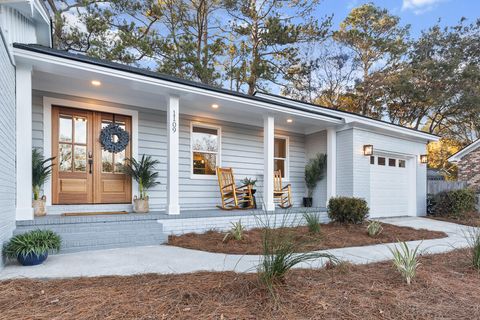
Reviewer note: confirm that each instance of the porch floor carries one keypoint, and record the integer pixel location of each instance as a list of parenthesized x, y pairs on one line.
[(160, 215)]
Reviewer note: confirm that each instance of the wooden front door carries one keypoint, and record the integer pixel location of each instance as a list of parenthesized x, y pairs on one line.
[(85, 173)]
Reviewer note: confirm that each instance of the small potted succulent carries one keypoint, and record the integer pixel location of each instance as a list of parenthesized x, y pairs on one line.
[(251, 183), (31, 248), (145, 174), (41, 170), (314, 172)]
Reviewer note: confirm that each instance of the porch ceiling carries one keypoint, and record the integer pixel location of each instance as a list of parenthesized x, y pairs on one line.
[(73, 78)]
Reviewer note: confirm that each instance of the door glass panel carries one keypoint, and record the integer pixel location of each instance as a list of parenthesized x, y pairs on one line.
[(107, 162), (119, 161), (80, 161), (65, 163), (80, 130), (65, 129)]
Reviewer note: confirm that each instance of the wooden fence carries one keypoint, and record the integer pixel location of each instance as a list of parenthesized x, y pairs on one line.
[(435, 186)]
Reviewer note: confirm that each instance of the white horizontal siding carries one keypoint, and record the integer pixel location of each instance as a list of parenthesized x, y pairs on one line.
[(314, 144), (7, 145)]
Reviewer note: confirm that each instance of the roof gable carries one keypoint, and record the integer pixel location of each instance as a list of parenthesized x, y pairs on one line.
[(465, 151)]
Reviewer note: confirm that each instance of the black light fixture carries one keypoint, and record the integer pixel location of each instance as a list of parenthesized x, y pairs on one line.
[(424, 158), (368, 150)]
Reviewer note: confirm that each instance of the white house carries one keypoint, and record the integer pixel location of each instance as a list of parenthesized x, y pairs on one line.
[(58, 102)]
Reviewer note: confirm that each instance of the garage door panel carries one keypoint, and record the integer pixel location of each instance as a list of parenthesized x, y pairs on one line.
[(388, 190)]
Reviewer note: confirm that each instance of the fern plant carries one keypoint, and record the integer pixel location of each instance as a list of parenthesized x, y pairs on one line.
[(236, 232), (314, 172), (405, 260), (41, 170), (143, 172)]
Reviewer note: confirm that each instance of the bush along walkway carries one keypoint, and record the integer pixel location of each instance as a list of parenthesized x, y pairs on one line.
[(173, 260)]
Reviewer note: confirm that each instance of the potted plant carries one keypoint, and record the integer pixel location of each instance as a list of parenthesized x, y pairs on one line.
[(31, 248), (314, 172), (145, 174), (41, 170), (250, 182)]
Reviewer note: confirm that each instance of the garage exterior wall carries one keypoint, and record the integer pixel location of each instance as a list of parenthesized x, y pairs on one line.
[(7, 145), (360, 177)]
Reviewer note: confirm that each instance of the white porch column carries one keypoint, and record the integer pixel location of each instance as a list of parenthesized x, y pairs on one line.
[(23, 124), (173, 206), (268, 149), (331, 163)]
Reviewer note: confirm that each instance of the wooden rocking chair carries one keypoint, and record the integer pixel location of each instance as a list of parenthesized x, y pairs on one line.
[(283, 195), (233, 197)]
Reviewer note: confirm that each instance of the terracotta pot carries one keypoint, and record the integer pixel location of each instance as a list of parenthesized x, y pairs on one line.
[(39, 207), (140, 205)]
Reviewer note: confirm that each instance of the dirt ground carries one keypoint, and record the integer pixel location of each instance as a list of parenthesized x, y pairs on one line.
[(470, 219), (445, 288), (331, 236)]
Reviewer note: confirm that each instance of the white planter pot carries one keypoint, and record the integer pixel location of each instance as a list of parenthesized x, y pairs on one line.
[(140, 205), (39, 207)]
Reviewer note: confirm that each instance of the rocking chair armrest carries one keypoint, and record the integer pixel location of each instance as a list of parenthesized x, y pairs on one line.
[(244, 186), (286, 187), (228, 185)]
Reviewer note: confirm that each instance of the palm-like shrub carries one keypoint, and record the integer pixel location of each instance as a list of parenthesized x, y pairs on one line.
[(313, 222), (374, 228), (405, 261), (314, 172), (143, 172), (36, 242), (281, 250), (41, 170), (236, 232), (472, 236)]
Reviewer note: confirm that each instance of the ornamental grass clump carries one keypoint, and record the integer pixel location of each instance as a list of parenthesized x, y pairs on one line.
[(472, 236), (236, 232), (313, 222), (36, 242), (374, 228), (280, 248), (405, 260)]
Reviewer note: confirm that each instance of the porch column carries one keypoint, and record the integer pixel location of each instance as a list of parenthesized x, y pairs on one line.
[(173, 206), (268, 149), (331, 163), (23, 125)]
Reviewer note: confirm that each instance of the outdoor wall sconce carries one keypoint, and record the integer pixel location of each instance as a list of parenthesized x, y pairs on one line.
[(368, 150), (424, 158)]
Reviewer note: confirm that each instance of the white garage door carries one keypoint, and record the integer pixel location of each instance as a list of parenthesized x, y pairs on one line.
[(388, 187)]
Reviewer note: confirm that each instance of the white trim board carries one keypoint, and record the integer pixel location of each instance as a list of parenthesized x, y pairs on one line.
[(48, 102)]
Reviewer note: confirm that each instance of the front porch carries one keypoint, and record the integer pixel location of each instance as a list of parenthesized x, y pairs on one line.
[(164, 117), (96, 232)]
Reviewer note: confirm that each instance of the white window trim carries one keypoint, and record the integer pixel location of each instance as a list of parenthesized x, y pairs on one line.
[(219, 152), (287, 156)]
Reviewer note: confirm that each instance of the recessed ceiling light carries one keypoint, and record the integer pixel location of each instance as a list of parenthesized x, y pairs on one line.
[(215, 106), (289, 120), (96, 83)]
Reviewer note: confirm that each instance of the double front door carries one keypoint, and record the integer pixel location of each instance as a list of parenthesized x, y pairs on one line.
[(84, 173)]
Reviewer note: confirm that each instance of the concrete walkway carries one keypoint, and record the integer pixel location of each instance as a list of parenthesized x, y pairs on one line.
[(167, 259)]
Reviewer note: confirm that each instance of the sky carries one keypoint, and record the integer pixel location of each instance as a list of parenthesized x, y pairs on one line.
[(420, 14)]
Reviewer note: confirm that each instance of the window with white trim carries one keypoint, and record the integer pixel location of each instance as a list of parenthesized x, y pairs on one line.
[(280, 155), (205, 149)]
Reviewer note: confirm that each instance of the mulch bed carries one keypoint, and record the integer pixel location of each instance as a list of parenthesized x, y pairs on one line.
[(445, 288), (470, 219), (331, 236)]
